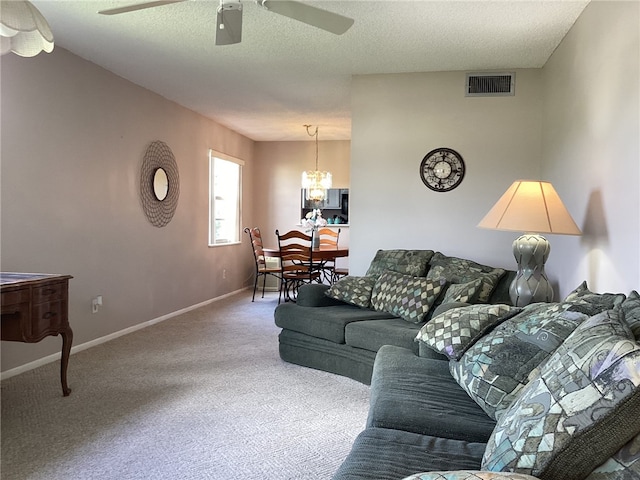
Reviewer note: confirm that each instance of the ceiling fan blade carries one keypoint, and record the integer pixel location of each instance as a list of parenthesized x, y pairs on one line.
[(137, 6), (317, 17)]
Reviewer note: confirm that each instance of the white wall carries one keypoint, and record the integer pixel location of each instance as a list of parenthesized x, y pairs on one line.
[(591, 147), (73, 138), (397, 119)]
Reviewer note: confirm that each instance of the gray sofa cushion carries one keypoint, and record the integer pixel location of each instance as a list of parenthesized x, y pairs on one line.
[(328, 356), (419, 395), (314, 295), (408, 262), (327, 322), (373, 334), (382, 454)]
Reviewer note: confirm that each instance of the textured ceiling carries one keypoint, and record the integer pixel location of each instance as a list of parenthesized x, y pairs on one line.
[(284, 73)]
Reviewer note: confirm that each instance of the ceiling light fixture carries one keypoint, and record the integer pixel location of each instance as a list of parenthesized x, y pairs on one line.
[(23, 29), (315, 182)]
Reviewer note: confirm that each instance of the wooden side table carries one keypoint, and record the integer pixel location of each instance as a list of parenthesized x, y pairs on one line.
[(35, 305)]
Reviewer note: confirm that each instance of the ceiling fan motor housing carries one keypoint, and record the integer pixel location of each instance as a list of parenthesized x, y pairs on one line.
[(229, 23)]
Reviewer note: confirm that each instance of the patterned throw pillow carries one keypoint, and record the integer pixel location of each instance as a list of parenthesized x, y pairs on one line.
[(582, 409), (497, 366), (469, 475), (460, 270), (409, 262), (454, 331), (463, 292), (631, 309), (591, 303), (622, 465), (353, 290), (405, 296)]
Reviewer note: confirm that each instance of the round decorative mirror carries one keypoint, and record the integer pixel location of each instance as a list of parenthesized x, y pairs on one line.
[(160, 184)]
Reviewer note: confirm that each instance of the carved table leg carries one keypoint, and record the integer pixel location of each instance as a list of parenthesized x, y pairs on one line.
[(67, 339)]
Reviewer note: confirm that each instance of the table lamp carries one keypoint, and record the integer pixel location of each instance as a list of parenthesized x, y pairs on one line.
[(532, 207)]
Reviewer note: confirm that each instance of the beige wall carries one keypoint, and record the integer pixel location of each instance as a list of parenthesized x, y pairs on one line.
[(73, 139), (397, 119), (591, 147)]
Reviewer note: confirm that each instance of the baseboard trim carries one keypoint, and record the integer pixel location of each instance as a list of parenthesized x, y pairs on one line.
[(92, 343)]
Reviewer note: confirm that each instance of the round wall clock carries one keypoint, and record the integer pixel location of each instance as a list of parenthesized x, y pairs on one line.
[(442, 169)]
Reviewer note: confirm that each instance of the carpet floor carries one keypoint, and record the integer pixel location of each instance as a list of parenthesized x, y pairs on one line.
[(203, 395)]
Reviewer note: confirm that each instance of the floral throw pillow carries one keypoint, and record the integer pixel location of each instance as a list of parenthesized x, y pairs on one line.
[(494, 369), (409, 262), (460, 270), (454, 331), (353, 290), (469, 475), (622, 465), (405, 296), (463, 292), (581, 409), (631, 309), (591, 303)]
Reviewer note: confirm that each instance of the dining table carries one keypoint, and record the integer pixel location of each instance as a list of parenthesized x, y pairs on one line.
[(323, 253)]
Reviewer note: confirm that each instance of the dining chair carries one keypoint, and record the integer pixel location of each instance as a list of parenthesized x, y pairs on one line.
[(329, 238), (262, 270), (296, 262)]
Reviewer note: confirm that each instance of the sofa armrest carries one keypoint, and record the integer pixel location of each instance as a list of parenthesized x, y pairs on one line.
[(313, 295)]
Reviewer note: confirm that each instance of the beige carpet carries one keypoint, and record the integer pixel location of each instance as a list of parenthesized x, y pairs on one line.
[(200, 396)]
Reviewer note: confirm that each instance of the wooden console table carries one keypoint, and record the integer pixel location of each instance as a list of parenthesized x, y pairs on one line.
[(35, 305)]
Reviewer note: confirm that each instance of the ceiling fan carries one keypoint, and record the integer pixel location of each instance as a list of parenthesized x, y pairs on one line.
[(229, 16)]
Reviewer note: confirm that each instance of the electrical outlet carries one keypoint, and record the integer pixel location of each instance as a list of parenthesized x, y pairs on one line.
[(96, 303), (224, 273)]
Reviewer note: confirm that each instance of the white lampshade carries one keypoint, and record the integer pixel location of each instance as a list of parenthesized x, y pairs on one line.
[(23, 29), (533, 207)]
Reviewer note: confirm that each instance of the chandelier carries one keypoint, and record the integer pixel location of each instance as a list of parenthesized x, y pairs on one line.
[(23, 29), (315, 182)]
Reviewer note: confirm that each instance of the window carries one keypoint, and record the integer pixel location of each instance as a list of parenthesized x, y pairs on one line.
[(225, 194)]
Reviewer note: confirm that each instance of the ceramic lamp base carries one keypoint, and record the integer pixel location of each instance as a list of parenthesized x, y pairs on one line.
[(531, 283)]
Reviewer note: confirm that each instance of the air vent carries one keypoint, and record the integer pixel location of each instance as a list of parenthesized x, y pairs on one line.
[(490, 84)]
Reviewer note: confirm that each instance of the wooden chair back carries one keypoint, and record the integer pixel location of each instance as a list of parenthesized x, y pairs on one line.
[(329, 237), (295, 250), (296, 261), (261, 264), (256, 244)]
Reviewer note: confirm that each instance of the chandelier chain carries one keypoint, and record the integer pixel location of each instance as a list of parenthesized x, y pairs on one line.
[(314, 134)]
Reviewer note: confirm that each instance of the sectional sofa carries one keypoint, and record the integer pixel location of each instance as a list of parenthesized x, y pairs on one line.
[(483, 390), (340, 331)]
